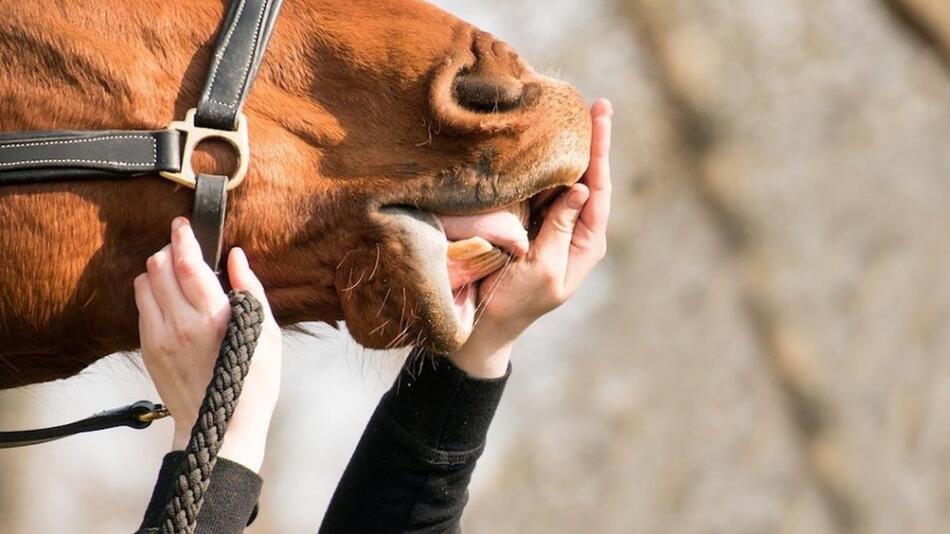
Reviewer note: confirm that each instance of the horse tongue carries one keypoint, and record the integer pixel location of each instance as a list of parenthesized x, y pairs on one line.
[(502, 228), (480, 244)]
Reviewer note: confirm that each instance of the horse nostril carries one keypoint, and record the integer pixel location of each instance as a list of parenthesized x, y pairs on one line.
[(491, 83), (487, 92)]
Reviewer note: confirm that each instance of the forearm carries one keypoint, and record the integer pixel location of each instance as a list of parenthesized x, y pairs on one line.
[(411, 469)]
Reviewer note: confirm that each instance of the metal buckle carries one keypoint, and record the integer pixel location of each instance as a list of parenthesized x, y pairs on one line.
[(194, 135), (158, 412)]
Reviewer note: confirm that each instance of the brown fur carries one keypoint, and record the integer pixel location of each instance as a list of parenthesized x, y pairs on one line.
[(355, 108)]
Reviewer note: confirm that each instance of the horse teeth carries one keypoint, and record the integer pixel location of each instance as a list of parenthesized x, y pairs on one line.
[(485, 264), (468, 248), (494, 258)]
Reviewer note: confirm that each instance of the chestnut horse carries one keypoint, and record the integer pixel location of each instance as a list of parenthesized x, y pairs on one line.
[(368, 119)]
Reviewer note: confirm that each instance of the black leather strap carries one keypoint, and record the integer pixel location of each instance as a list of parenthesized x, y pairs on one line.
[(138, 415), (39, 156), (207, 216), (237, 56), (35, 156)]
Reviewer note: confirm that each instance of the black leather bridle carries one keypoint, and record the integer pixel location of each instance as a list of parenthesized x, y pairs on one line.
[(48, 156), (28, 157)]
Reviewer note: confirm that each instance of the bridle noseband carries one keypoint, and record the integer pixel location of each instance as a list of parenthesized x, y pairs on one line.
[(29, 157)]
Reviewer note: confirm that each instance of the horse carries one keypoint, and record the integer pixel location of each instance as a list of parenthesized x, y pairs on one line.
[(372, 125)]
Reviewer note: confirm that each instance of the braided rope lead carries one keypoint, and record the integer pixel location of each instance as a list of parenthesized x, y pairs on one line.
[(193, 475)]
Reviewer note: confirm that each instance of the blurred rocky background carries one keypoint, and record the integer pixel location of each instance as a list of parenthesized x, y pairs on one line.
[(766, 348)]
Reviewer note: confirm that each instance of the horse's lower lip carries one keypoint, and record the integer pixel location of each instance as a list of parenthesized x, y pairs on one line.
[(426, 247)]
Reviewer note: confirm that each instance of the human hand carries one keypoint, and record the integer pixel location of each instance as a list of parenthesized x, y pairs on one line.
[(572, 240), (183, 314)]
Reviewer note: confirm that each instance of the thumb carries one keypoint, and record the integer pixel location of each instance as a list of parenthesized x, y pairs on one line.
[(554, 238), (241, 276)]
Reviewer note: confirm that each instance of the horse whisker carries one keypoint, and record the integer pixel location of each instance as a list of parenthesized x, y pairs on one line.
[(357, 282), (376, 265), (378, 328), (383, 305)]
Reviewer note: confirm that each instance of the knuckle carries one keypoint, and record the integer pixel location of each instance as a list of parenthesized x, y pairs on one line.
[(222, 305), (582, 241), (215, 322), (186, 267), (564, 226), (154, 262)]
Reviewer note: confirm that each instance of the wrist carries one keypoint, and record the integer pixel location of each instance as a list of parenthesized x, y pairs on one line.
[(244, 442), (245, 448), (484, 356), (180, 438), (182, 433)]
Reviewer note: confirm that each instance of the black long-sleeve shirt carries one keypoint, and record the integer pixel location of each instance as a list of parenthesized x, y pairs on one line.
[(409, 473)]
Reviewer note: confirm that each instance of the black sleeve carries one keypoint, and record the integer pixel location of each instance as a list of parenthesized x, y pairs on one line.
[(230, 503), (411, 469)]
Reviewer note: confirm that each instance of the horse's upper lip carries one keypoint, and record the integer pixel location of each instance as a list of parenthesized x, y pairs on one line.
[(471, 190)]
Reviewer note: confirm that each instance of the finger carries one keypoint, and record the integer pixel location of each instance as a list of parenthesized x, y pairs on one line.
[(587, 249), (589, 243), (196, 279), (597, 177), (164, 285), (150, 313), (241, 276), (552, 246)]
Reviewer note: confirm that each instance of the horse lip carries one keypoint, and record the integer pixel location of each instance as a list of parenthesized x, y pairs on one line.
[(424, 238), (467, 192)]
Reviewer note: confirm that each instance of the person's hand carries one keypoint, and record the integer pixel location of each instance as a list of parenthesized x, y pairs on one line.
[(572, 240), (183, 315)]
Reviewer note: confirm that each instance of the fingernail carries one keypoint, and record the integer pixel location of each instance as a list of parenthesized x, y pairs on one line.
[(177, 222), (575, 199)]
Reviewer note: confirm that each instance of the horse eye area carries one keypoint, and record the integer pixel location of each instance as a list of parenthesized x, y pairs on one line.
[(484, 92)]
